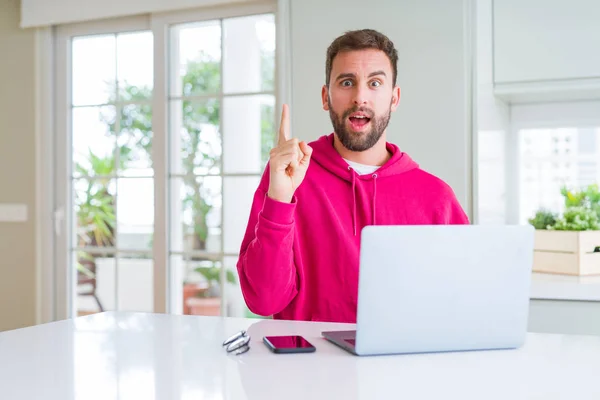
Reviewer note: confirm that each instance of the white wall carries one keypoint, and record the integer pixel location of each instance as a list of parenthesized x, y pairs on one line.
[(17, 170), (46, 13), (547, 50), (431, 123), (541, 40)]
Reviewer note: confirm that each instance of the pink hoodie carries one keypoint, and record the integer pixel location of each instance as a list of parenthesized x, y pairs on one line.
[(300, 260)]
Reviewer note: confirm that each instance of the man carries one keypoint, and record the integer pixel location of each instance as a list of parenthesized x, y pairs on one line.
[(300, 255)]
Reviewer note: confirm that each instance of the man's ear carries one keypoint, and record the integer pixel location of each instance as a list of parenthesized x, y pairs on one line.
[(324, 97), (395, 98)]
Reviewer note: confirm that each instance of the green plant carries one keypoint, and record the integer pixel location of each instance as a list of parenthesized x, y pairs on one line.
[(213, 277), (573, 198), (593, 195), (84, 259), (582, 211), (543, 219), (202, 76), (577, 219), (197, 155), (95, 207), (588, 197)]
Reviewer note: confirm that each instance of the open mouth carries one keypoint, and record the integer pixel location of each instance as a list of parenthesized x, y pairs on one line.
[(359, 121)]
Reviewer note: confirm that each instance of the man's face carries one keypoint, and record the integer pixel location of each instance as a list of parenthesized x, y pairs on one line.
[(360, 97)]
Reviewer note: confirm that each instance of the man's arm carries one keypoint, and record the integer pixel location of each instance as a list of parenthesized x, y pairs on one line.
[(266, 267), (266, 264), (457, 214), (450, 211)]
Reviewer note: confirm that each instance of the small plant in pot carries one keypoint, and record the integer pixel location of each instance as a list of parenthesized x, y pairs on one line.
[(582, 212), (543, 219), (577, 219), (587, 198), (569, 243), (207, 301), (212, 275)]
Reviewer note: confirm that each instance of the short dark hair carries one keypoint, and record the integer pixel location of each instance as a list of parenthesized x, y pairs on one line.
[(360, 40)]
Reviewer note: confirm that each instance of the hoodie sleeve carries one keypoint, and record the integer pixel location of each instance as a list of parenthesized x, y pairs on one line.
[(266, 263), (450, 211), (457, 215)]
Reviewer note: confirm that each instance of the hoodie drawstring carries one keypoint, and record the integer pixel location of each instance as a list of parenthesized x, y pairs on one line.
[(374, 197), (353, 199)]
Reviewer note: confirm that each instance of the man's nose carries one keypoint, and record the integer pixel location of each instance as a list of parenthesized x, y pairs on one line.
[(360, 97)]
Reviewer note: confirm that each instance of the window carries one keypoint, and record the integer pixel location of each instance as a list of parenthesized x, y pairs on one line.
[(111, 171), (553, 158), (532, 152), (222, 127), (158, 165)]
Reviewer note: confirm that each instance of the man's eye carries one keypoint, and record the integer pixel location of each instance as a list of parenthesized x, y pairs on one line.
[(376, 83), (346, 83)]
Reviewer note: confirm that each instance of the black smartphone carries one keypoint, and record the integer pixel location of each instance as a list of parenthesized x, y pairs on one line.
[(288, 344)]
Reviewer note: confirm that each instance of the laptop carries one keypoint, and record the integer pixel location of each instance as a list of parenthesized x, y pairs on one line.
[(441, 288)]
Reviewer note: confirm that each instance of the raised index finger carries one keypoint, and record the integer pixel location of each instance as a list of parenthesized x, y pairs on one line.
[(284, 127)]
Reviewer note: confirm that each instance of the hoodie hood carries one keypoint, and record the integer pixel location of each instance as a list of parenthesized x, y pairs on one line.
[(325, 154)]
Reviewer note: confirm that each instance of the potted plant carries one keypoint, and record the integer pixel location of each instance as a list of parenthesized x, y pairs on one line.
[(569, 243), (207, 300), (96, 219)]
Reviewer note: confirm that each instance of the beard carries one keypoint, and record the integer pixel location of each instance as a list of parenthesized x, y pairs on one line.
[(358, 141)]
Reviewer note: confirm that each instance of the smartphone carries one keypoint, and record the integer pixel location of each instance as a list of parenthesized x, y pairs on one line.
[(288, 344)]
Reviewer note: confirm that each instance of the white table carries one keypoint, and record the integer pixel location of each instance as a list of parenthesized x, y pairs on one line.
[(156, 356), (565, 287)]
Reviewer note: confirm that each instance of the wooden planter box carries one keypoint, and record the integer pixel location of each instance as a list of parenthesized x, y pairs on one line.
[(567, 252)]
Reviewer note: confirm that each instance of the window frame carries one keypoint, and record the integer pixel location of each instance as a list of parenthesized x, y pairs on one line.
[(167, 296), (62, 305), (65, 276)]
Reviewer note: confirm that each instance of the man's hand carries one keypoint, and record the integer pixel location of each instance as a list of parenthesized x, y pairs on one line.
[(288, 162)]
